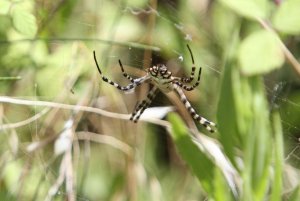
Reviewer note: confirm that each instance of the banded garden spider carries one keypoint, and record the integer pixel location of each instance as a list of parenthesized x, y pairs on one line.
[(161, 78)]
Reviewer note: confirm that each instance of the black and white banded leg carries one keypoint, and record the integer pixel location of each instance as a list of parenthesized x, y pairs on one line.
[(206, 123), (191, 78), (124, 73), (140, 108), (189, 88), (135, 82)]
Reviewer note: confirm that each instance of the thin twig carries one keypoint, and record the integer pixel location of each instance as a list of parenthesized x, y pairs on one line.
[(24, 122), (10, 78), (288, 55), (105, 139), (93, 40), (59, 181), (69, 175), (6, 99)]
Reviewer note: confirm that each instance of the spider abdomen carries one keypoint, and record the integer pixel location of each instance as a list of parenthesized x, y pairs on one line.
[(163, 84)]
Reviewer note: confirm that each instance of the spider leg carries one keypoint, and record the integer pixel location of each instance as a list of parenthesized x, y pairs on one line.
[(135, 82), (144, 108), (137, 109), (206, 123), (191, 78), (136, 114), (124, 73), (189, 88)]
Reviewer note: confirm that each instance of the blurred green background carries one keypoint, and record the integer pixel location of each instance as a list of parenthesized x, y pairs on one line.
[(65, 134)]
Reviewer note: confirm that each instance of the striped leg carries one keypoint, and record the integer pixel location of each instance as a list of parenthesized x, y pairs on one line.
[(135, 82), (189, 88), (124, 73), (136, 114), (189, 79), (206, 123)]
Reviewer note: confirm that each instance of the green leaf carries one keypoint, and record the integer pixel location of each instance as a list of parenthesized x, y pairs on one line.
[(287, 17), (52, 77), (258, 148), (295, 196), (260, 53), (201, 165), (224, 23), (11, 174), (228, 127), (251, 9), (247, 129), (24, 22), (279, 159), (222, 192), (4, 7)]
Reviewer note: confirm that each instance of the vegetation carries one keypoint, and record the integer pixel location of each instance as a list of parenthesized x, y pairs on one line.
[(66, 134)]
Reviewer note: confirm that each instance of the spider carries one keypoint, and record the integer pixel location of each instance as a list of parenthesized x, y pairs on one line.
[(161, 78)]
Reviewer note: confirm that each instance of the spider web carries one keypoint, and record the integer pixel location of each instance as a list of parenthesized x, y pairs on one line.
[(282, 97), (280, 90), (281, 86)]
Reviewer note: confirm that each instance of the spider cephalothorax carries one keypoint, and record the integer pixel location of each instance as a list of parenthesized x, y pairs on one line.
[(162, 79), (160, 71)]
